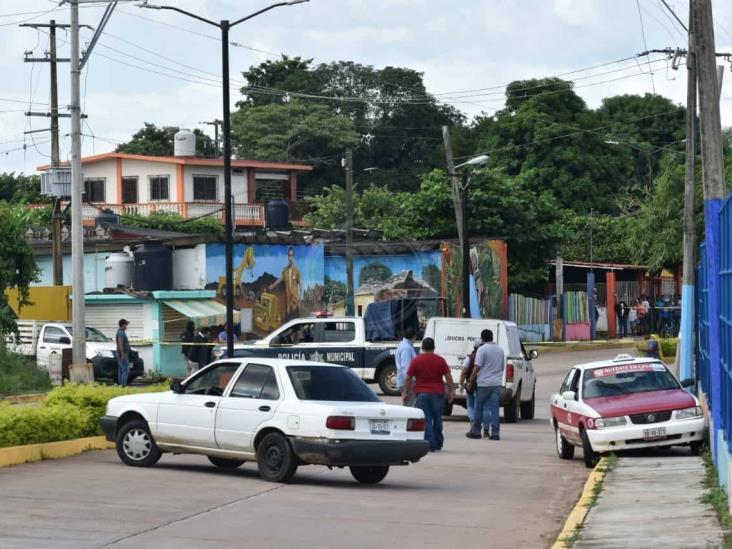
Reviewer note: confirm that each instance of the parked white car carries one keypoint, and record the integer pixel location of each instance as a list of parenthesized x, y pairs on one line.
[(280, 413), (624, 404)]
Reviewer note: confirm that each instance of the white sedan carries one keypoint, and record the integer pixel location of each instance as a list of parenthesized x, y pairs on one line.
[(279, 413)]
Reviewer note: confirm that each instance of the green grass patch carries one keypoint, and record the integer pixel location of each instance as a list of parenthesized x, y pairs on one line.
[(570, 540), (717, 498), (19, 374), (71, 411)]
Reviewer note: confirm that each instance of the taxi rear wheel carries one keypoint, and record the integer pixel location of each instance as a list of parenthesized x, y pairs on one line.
[(564, 448), (696, 448), (590, 456)]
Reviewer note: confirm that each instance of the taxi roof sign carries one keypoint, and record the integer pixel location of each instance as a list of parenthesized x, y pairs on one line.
[(623, 357)]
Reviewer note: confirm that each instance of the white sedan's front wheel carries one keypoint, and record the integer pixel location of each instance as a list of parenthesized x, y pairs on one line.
[(275, 459), (135, 445)]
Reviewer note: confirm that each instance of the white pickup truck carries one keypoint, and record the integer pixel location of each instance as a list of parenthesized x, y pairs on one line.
[(342, 340), (40, 339)]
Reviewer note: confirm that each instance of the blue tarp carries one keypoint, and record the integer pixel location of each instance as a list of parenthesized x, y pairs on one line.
[(379, 320)]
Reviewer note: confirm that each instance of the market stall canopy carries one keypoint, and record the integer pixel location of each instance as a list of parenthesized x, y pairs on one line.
[(204, 312)]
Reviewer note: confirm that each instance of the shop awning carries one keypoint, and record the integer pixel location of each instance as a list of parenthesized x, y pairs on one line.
[(204, 312)]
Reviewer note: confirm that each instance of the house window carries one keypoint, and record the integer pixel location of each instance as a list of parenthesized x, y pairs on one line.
[(159, 187), (204, 187), (129, 190), (94, 189)]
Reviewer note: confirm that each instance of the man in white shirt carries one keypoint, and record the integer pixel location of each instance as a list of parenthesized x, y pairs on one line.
[(404, 354), (490, 361)]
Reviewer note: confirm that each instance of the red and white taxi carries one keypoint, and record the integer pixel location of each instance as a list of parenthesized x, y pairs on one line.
[(623, 404)]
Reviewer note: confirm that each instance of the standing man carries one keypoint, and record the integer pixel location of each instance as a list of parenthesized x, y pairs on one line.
[(429, 377), (469, 387), (487, 375), (404, 354), (201, 350), (123, 353), (186, 338), (622, 311)]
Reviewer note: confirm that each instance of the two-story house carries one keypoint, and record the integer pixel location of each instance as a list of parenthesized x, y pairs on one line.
[(185, 185)]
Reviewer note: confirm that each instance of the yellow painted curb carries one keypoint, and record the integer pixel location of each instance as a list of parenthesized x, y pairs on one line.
[(15, 455), (578, 515)]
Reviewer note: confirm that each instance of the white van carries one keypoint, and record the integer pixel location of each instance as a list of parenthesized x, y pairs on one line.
[(455, 339)]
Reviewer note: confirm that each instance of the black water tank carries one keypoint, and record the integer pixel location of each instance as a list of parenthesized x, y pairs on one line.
[(277, 214), (153, 267), (106, 216)]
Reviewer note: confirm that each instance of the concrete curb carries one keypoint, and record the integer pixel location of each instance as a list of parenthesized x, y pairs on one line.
[(15, 455), (579, 513)]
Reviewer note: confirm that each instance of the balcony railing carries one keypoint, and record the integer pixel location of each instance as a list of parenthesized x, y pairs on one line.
[(244, 214)]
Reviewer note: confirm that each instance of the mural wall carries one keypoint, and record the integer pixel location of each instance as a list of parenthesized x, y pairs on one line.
[(278, 282)]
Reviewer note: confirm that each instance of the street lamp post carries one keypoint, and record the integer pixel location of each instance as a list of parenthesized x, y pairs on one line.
[(465, 244), (224, 26)]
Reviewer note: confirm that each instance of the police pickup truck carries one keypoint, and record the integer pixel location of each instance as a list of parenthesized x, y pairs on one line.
[(343, 340)]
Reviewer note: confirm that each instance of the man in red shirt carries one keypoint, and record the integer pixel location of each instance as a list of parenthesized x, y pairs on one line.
[(429, 378)]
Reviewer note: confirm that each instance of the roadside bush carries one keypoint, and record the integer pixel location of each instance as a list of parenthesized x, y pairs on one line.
[(71, 411), (19, 374), (35, 424)]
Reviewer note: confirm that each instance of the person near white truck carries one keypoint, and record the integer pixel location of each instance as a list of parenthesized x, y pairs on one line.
[(41, 339)]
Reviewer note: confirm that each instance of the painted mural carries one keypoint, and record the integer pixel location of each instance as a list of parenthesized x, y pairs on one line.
[(278, 282)]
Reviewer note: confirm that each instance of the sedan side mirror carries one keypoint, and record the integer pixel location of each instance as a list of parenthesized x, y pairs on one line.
[(176, 387), (688, 382), (569, 395)]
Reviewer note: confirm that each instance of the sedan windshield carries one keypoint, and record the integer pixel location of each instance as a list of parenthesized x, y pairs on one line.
[(329, 383), (92, 334), (627, 378)]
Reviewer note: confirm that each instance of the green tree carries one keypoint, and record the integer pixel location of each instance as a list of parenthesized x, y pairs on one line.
[(290, 131), (17, 261), (165, 221), (374, 271), (154, 141), (21, 188), (609, 238)]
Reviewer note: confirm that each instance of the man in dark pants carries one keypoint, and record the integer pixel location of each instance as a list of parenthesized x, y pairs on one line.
[(201, 350), (487, 376), (430, 379), (622, 311), (123, 353), (186, 338)]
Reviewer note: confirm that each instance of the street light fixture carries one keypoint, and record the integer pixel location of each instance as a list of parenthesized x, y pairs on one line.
[(224, 25), (480, 160)]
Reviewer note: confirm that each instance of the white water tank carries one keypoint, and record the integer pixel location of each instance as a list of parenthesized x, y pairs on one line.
[(184, 143), (119, 270)]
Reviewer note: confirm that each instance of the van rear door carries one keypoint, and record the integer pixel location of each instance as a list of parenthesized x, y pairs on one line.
[(456, 337)]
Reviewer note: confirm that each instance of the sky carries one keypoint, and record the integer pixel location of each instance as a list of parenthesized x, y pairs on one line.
[(162, 67)]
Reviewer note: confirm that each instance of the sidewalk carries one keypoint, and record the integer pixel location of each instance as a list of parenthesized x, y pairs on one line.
[(652, 502)]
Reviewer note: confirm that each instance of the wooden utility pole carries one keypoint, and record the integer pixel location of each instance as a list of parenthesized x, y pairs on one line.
[(56, 220), (350, 306), (458, 202), (686, 351)]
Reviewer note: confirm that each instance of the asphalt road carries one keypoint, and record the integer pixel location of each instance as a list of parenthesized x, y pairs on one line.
[(475, 493)]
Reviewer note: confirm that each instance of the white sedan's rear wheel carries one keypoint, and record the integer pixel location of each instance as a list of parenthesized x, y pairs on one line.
[(275, 459)]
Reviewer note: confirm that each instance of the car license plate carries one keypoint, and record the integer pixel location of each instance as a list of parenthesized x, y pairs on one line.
[(379, 427), (657, 433)]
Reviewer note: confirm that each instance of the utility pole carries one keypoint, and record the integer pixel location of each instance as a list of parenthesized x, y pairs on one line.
[(458, 204), (350, 306), (686, 351), (215, 123), (77, 183), (56, 242), (465, 247), (714, 189)]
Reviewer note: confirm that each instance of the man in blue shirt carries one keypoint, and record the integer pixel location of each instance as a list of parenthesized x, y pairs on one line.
[(123, 353), (487, 375), (404, 354)]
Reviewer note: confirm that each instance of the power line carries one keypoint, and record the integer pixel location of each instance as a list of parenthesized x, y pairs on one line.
[(645, 46), (669, 8)]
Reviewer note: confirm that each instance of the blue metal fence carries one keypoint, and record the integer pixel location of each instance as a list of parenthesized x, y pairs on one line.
[(725, 314), (703, 373)]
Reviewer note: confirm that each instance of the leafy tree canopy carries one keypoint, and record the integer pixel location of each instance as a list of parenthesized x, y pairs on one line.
[(154, 141), (21, 188)]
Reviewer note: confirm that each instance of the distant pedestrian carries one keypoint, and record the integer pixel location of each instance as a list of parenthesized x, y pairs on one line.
[(186, 339), (622, 311), (430, 379), (633, 317), (468, 387), (201, 351), (123, 352), (403, 357), (223, 334), (488, 377), (643, 309)]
